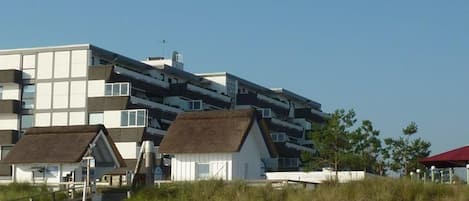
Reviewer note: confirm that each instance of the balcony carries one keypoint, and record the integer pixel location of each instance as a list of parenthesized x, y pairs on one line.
[(100, 72), (155, 131), (208, 92), (273, 101), (299, 147), (154, 105), (310, 114), (277, 125), (198, 93), (107, 103), (139, 76), (286, 124), (8, 136), (10, 106), (279, 107), (10, 76)]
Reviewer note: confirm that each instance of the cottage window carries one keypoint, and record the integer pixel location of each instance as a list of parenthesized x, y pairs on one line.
[(38, 173), (202, 170)]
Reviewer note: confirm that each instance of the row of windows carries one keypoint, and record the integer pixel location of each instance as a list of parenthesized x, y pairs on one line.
[(129, 118), (117, 89), (133, 118)]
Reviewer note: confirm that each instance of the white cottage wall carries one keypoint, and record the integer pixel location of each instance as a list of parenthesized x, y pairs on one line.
[(183, 166), (247, 162)]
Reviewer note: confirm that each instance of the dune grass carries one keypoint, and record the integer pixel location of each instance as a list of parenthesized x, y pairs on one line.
[(16, 191), (379, 189)]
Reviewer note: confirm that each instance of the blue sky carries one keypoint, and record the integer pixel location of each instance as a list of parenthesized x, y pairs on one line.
[(392, 61)]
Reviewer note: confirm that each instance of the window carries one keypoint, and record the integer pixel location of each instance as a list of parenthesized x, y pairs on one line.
[(29, 92), (265, 112), (38, 173), (117, 89), (202, 171), (162, 77), (26, 121), (195, 105), (5, 149), (279, 137), (96, 118), (131, 118), (1, 92)]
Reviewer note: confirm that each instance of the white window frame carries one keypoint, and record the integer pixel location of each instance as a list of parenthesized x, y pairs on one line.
[(192, 104), (136, 121), (119, 86)]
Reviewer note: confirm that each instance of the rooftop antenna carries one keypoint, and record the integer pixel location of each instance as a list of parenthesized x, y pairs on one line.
[(163, 44)]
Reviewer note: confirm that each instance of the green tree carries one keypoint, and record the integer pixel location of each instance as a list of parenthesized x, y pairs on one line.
[(366, 146), (331, 142), (404, 152)]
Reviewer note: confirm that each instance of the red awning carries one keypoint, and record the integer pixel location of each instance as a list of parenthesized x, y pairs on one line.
[(455, 158)]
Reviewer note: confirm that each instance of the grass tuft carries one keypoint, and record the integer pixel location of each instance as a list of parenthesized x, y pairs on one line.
[(16, 191)]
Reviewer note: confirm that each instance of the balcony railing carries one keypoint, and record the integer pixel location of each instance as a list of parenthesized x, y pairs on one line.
[(155, 131), (273, 101), (152, 104), (208, 92), (262, 102), (142, 77), (286, 124), (10, 76), (299, 147), (311, 114)]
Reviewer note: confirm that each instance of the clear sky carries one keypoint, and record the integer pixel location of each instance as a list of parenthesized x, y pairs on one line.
[(392, 61)]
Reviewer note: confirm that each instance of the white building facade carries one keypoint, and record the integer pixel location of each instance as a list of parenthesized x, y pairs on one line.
[(84, 84)]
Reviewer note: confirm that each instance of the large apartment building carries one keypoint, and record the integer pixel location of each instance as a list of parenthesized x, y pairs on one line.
[(135, 100)]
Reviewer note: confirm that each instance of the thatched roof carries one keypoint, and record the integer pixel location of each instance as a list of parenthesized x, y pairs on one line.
[(57, 144), (213, 132)]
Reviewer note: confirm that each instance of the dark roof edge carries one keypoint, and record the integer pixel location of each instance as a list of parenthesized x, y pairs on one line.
[(298, 97)]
